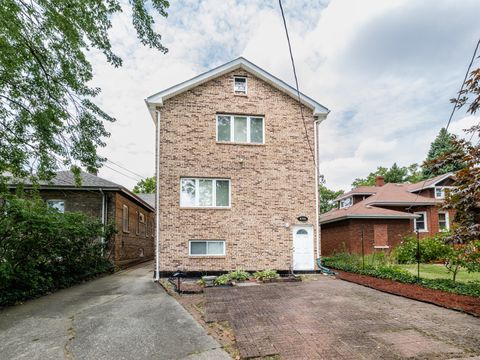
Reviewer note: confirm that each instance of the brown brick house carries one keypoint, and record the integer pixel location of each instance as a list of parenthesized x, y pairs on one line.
[(378, 217), (108, 202), (235, 172)]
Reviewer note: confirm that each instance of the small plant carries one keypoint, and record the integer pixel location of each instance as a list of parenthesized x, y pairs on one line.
[(239, 275), (223, 280), (267, 274)]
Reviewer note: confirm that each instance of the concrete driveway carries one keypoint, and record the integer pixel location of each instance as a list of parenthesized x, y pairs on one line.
[(121, 316)]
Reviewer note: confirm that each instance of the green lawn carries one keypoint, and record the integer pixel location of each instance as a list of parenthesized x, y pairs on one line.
[(435, 271)]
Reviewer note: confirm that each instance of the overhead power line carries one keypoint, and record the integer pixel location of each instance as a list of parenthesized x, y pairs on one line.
[(124, 168), (296, 83), (119, 172), (463, 84)]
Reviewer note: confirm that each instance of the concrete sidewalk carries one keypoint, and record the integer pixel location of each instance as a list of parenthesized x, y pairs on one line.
[(121, 316)]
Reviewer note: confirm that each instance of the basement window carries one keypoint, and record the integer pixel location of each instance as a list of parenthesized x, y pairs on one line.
[(58, 205), (207, 248), (240, 85)]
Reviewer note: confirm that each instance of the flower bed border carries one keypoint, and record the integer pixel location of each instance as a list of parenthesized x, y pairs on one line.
[(463, 303)]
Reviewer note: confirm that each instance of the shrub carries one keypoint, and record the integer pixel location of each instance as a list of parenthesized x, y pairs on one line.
[(239, 275), (42, 250), (266, 275), (350, 263), (222, 280), (431, 249)]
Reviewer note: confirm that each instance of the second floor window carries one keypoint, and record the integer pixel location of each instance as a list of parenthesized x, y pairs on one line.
[(240, 129), (344, 203), (198, 192)]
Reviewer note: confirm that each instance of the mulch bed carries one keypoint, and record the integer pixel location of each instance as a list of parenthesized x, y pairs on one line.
[(467, 304)]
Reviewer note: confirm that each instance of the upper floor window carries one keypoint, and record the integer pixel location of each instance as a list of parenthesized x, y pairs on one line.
[(198, 192), (58, 205), (344, 203), (420, 223), (440, 191), (240, 129), (240, 85)]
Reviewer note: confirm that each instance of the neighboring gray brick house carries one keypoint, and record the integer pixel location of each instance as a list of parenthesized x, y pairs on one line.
[(236, 172), (108, 202)]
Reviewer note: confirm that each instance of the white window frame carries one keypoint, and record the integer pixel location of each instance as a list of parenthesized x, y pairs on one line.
[(424, 213), (347, 206), (442, 188), (235, 91), (214, 193), (447, 221), (232, 129), (54, 201), (206, 241)]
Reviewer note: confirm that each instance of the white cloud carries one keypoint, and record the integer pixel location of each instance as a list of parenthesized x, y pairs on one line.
[(386, 69)]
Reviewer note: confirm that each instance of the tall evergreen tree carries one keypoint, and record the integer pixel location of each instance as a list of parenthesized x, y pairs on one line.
[(442, 146)]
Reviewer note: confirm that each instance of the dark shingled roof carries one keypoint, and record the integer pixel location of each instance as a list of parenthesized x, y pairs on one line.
[(148, 198)]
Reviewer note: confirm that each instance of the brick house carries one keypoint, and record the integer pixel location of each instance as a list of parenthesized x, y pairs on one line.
[(108, 202), (235, 172), (383, 214)]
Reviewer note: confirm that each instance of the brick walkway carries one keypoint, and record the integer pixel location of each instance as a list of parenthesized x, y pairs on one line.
[(334, 319)]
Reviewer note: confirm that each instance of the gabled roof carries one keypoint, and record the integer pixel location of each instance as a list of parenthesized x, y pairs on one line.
[(430, 183), (361, 190), (239, 63), (148, 198), (65, 180), (363, 210), (399, 194)]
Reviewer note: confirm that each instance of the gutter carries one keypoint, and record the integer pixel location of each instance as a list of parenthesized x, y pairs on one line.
[(317, 195), (346, 217), (157, 198)]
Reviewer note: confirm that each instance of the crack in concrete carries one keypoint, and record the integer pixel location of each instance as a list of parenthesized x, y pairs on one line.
[(71, 333)]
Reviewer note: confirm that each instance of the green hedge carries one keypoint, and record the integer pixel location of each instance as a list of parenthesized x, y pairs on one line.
[(42, 250), (431, 249), (352, 263)]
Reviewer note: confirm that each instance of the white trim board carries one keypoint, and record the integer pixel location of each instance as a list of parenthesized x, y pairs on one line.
[(240, 63)]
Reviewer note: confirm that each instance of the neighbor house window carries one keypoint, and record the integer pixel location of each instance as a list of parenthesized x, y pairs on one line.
[(344, 203), (241, 129), (443, 221), (240, 85), (197, 192), (440, 191), (207, 248), (125, 218), (420, 223), (58, 205)]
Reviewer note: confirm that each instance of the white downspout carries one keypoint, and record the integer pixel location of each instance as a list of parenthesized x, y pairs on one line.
[(157, 199), (317, 230)]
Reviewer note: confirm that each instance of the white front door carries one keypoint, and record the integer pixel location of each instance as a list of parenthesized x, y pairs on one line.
[(303, 257)]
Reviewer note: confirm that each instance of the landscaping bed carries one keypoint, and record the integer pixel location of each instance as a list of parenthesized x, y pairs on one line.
[(467, 304)]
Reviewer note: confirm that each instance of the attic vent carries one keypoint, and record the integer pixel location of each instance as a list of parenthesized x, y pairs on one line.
[(240, 85)]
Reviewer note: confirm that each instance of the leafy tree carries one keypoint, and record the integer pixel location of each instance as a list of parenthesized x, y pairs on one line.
[(326, 198), (147, 186), (396, 174), (370, 179), (443, 144), (415, 173), (47, 116)]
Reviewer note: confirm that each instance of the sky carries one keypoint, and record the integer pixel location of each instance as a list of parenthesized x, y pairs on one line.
[(386, 69)]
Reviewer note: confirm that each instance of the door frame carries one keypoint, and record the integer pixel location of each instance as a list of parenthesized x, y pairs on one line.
[(310, 230)]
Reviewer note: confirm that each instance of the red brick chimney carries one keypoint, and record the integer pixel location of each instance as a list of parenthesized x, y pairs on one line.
[(379, 181)]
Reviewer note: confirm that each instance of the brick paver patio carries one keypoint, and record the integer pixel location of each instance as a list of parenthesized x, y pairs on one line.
[(334, 319)]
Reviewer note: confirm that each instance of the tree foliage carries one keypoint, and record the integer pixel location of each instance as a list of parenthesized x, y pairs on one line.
[(147, 186), (47, 114), (42, 250), (326, 198), (394, 174), (443, 144)]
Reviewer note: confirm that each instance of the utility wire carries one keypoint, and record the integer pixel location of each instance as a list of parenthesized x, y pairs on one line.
[(128, 176), (463, 84), (124, 168), (296, 83)]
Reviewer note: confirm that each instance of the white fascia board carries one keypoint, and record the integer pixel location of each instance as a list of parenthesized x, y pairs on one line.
[(432, 185), (410, 203), (341, 197), (157, 99), (346, 217)]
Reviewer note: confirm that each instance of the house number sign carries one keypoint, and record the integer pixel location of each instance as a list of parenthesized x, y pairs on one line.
[(302, 218)]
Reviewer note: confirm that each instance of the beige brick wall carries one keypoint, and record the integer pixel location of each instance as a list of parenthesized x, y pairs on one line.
[(271, 184)]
